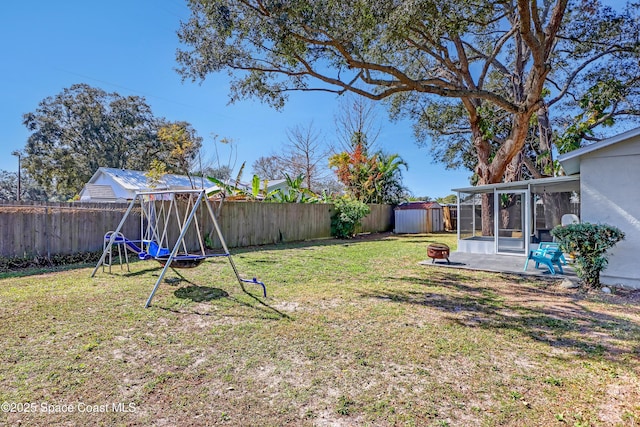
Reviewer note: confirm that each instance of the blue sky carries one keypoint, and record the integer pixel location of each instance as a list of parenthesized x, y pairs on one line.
[(129, 47)]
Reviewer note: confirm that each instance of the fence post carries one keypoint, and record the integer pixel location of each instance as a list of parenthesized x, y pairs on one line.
[(47, 234)]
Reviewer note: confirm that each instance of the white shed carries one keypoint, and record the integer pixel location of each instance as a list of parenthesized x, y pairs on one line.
[(418, 217)]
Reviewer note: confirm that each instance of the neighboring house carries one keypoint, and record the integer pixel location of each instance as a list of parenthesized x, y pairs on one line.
[(605, 175), (125, 183)]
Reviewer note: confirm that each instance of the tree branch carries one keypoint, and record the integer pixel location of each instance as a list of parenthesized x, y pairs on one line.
[(574, 74), (524, 13), (491, 59)]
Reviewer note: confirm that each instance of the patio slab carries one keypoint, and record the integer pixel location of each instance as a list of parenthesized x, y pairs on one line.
[(511, 264)]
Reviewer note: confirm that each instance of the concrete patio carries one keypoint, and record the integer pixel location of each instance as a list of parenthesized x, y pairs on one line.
[(510, 264)]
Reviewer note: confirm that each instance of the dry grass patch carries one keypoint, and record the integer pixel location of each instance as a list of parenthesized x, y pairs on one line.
[(353, 333)]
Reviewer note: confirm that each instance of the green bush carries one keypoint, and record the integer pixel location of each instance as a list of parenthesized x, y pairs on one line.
[(347, 216), (589, 243), (19, 263)]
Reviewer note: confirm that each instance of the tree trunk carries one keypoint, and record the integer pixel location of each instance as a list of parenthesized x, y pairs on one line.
[(487, 214), (493, 170), (545, 159)]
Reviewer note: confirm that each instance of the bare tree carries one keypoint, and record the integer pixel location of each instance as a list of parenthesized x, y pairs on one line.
[(356, 122), (306, 154), (268, 167)]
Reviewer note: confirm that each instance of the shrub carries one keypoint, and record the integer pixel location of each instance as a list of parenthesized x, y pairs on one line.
[(347, 216), (8, 264), (589, 242)]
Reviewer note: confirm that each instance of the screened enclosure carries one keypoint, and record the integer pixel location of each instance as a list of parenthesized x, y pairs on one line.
[(509, 217)]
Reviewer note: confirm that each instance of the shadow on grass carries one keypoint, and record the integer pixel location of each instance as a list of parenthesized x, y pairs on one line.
[(539, 311), (200, 293), (261, 305), (197, 293), (143, 271), (34, 271), (42, 269)]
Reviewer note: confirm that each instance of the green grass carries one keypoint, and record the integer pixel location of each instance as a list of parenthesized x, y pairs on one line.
[(352, 333)]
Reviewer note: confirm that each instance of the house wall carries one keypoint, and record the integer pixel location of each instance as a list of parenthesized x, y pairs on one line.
[(609, 194)]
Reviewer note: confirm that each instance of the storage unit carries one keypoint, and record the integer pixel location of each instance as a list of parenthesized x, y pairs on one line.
[(418, 217)]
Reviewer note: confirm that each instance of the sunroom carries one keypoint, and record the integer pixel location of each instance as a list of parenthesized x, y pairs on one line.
[(509, 218)]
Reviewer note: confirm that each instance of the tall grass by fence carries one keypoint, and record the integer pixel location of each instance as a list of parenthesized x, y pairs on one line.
[(44, 229)]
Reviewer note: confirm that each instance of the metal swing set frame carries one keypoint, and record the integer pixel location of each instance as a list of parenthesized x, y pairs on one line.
[(155, 223)]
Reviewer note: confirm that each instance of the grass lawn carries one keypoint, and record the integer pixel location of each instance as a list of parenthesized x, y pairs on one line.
[(353, 333)]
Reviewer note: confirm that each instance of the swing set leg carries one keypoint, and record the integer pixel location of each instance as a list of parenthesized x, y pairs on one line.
[(241, 280), (256, 282)]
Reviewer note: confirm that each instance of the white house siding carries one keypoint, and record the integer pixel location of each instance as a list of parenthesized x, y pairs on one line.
[(610, 194)]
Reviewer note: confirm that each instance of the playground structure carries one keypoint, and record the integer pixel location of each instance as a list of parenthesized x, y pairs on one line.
[(160, 220)]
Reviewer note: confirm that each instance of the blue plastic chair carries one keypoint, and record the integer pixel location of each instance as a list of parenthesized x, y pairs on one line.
[(552, 245), (549, 257)]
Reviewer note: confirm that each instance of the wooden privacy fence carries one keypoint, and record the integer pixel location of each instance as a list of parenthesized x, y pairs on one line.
[(28, 229)]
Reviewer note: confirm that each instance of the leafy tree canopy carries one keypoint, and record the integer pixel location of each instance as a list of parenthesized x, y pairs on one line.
[(460, 54), (447, 200), (594, 81), (181, 146), (478, 77), (83, 128)]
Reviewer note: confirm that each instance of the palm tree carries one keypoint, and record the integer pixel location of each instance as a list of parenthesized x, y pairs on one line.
[(389, 188)]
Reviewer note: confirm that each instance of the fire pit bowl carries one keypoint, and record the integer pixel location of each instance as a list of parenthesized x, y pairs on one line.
[(438, 251)]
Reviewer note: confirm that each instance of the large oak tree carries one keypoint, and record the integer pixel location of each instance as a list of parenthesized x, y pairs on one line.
[(594, 82), (412, 51)]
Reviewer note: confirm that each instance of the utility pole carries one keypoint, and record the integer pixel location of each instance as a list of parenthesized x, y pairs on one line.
[(17, 153)]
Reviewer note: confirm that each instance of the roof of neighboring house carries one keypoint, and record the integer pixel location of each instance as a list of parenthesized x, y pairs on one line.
[(571, 161), (419, 205), (137, 180)]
